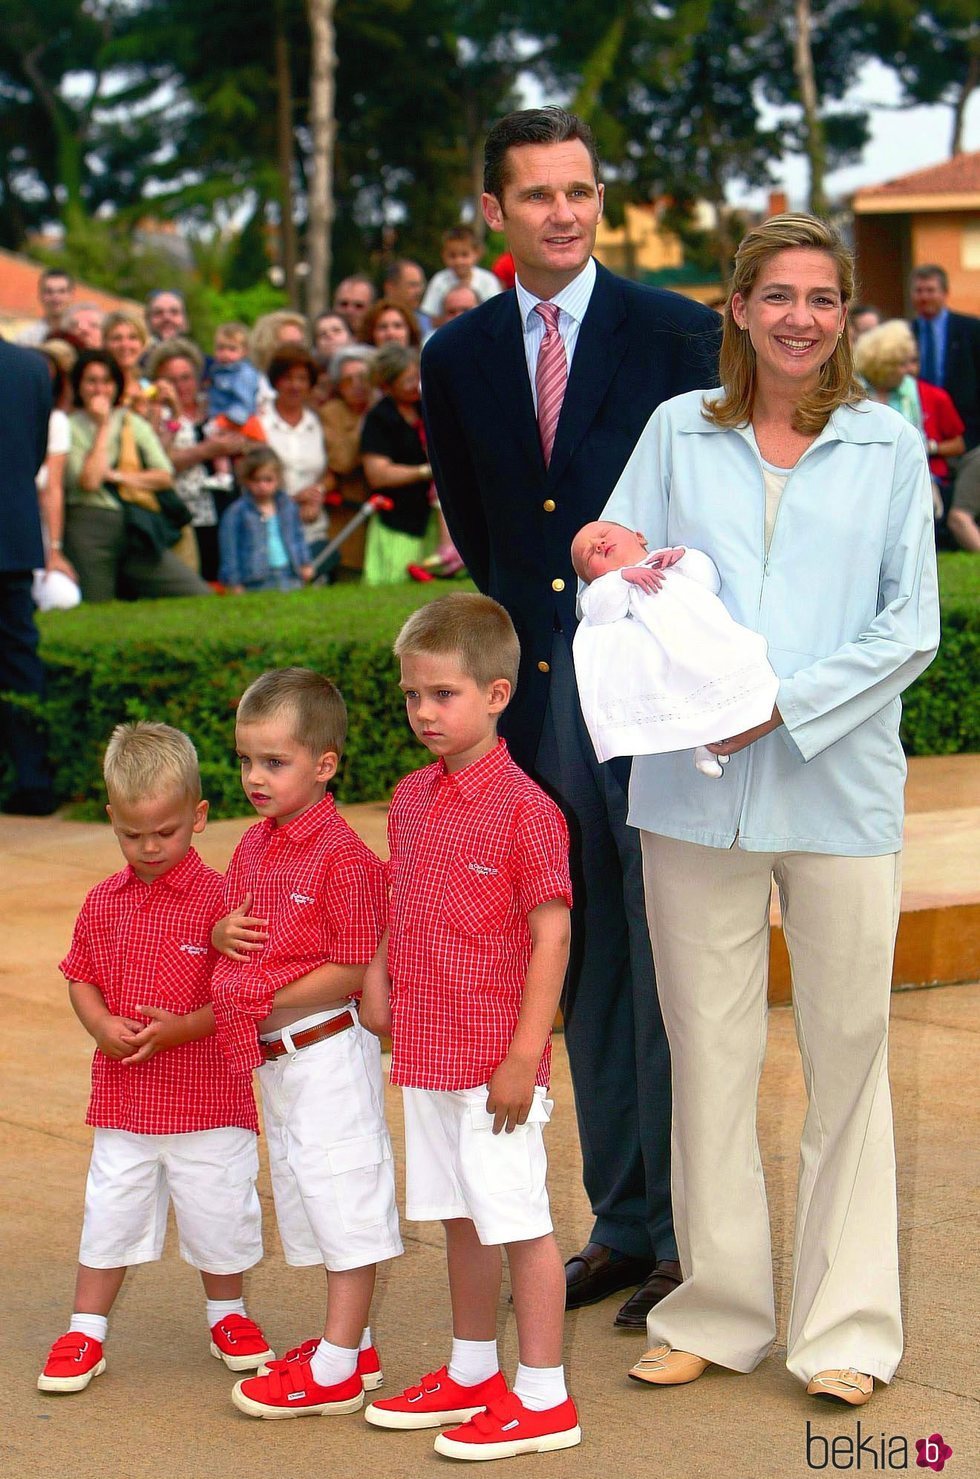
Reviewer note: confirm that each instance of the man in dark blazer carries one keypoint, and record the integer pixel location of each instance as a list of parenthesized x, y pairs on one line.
[(514, 494), (25, 405), (949, 346)]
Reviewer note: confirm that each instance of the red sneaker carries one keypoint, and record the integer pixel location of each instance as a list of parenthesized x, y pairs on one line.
[(508, 1428), (436, 1402), (72, 1362), (240, 1343), (291, 1392), (368, 1363)]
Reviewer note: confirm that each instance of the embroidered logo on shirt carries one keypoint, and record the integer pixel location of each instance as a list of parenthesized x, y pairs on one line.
[(301, 898), (483, 869), (194, 949)]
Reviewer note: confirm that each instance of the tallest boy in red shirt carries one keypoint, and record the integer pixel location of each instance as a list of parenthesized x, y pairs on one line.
[(468, 978)]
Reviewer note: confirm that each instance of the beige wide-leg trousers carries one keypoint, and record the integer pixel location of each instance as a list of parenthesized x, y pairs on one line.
[(708, 910)]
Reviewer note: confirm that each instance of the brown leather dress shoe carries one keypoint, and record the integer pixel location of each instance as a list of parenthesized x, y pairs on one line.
[(665, 1277), (598, 1271)]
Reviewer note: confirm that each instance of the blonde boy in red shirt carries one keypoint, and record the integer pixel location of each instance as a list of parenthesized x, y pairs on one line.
[(172, 1120), (467, 979), (308, 906)]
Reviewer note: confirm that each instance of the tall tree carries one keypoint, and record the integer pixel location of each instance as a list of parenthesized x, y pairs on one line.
[(322, 133), (934, 47)]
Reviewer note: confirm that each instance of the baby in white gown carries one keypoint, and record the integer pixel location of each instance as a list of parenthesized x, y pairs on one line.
[(660, 663)]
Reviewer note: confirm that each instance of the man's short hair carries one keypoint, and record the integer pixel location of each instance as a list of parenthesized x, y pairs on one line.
[(156, 293), (932, 269), (313, 705), (50, 272), (474, 630), (393, 273), (147, 759), (549, 125)]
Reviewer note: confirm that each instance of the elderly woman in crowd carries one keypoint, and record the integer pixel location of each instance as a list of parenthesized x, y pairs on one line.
[(178, 415), (293, 431), (330, 333), (271, 332), (342, 418), (887, 360), (108, 563), (389, 323), (815, 505), (125, 336), (396, 464)]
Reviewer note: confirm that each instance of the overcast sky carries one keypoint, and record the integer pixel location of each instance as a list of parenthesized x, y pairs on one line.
[(902, 140)]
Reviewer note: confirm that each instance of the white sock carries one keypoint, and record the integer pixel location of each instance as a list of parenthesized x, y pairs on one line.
[(473, 1361), (331, 1364), (94, 1326), (540, 1387), (220, 1309), (365, 1339), (709, 764)]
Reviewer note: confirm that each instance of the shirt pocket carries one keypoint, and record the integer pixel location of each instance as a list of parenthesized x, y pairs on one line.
[(478, 897), (183, 976)]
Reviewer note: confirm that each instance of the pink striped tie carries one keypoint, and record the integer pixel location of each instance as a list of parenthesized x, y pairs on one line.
[(550, 378)]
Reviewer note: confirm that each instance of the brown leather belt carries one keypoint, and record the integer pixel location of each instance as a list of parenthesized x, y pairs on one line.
[(277, 1047)]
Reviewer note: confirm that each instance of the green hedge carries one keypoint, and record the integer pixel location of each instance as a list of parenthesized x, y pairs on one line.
[(187, 662), (941, 712)]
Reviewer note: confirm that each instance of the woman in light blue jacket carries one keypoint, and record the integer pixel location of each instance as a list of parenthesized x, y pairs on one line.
[(815, 505)]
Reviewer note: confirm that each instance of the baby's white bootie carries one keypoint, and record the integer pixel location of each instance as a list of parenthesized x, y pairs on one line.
[(708, 764)]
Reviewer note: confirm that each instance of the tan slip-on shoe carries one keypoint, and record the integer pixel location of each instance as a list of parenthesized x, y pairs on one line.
[(846, 1385), (664, 1367)]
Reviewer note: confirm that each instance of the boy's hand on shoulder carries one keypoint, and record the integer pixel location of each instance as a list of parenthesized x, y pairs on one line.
[(240, 934), (511, 1092), (165, 1030), (116, 1036)]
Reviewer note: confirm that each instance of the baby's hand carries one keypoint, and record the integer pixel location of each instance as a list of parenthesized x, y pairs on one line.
[(647, 577), (306, 573), (662, 559), (165, 1030), (116, 1036), (240, 934)]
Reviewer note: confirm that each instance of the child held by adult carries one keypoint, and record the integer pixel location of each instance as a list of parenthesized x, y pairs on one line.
[(173, 1120), (660, 664), (467, 979), (306, 906)]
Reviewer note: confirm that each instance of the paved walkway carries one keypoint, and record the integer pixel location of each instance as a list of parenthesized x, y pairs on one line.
[(162, 1408)]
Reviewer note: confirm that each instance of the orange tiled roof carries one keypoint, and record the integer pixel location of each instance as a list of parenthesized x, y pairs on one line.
[(18, 289), (957, 176)]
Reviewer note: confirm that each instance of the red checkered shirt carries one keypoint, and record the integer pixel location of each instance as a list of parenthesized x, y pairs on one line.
[(324, 895), (149, 944), (471, 855)]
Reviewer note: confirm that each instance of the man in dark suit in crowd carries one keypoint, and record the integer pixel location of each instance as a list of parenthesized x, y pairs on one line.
[(533, 404), (949, 346), (25, 405)]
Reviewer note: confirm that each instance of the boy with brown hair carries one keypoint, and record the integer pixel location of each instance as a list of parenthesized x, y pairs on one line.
[(307, 907), (172, 1120), (468, 979), (460, 254)]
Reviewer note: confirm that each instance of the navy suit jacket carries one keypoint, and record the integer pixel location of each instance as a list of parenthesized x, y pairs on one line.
[(25, 406), (513, 519), (961, 371)]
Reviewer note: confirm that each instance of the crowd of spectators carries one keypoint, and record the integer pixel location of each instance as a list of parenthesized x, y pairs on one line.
[(142, 411), (147, 487)]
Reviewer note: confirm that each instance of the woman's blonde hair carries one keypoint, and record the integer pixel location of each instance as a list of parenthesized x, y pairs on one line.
[(125, 316), (737, 363), (882, 351), (264, 339)]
